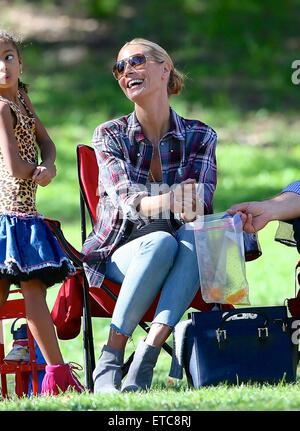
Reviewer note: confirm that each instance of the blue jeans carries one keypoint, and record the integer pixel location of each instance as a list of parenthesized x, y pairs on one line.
[(149, 264)]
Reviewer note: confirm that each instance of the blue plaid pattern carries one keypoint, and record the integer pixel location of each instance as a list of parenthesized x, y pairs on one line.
[(293, 187), (124, 155)]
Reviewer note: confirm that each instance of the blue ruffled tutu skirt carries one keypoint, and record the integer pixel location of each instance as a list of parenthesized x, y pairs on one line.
[(29, 250)]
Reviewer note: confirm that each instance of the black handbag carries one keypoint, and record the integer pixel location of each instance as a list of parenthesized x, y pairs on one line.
[(252, 344)]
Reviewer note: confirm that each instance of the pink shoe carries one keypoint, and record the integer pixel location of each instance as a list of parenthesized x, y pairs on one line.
[(60, 378)]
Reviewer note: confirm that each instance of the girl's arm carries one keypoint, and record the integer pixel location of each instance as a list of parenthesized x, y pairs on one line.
[(16, 166), (46, 171)]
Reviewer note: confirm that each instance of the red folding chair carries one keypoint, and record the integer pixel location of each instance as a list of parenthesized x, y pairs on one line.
[(98, 302), (12, 309)]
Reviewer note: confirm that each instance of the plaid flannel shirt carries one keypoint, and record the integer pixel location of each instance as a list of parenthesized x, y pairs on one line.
[(288, 232), (124, 155)]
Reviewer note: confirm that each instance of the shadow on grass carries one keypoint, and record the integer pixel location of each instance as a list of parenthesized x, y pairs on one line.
[(237, 56)]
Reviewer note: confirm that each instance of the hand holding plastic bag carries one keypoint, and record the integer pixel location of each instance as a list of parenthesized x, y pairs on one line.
[(221, 259)]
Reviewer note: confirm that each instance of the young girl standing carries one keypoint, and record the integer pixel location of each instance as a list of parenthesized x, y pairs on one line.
[(30, 255)]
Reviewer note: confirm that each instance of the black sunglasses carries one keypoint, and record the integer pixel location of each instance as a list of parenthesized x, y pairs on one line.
[(134, 61)]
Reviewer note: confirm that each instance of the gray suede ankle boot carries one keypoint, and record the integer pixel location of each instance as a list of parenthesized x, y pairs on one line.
[(140, 372), (108, 374)]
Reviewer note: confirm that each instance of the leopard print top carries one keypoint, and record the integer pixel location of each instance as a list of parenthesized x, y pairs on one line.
[(17, 195)]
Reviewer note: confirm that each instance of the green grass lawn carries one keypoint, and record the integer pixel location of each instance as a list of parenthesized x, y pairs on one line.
[(256, 118), (245, 173), (271, 280), (220, 398), (257, 153)]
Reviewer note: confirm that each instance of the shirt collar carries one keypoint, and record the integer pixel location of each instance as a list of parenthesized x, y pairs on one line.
[(177, 129), (136, 134), (135, 131)]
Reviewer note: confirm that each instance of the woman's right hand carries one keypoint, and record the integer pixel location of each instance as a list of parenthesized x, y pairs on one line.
[(181, 199), (184, 200)]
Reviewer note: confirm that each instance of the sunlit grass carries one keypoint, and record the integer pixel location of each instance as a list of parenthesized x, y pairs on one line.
[(282, 397), (244, 173), (71, 106)]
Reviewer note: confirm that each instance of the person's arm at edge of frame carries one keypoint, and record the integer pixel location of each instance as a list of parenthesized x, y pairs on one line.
[(257, 214)]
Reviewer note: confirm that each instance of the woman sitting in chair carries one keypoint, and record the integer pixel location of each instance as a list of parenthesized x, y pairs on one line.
[(150, 162)]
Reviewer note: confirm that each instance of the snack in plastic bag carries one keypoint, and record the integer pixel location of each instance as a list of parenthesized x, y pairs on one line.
[(221, 259)]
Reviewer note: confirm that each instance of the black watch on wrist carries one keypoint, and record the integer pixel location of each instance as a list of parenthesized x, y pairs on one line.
[(177, 216)]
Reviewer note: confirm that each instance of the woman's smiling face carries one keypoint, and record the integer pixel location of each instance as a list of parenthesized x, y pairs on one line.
[(143, 80)]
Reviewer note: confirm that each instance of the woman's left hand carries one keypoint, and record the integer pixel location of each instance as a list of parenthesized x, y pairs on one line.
[(195, 207), (43, 174)]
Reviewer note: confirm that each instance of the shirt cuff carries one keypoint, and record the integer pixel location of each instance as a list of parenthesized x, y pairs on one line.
[(293, 187), (131, 212)]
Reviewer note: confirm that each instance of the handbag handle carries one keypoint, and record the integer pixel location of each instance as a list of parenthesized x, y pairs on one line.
[(297, 277), (236, 313), (12, 329)]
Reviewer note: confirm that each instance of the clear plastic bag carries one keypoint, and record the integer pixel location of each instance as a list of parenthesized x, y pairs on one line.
[(221, 259)]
